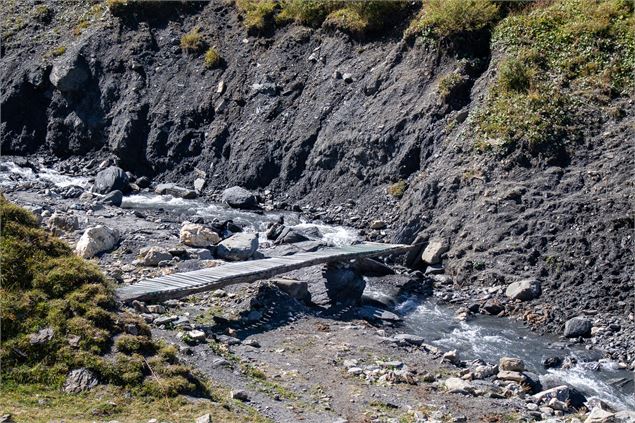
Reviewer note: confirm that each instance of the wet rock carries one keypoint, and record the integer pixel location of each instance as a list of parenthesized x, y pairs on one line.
[(114, 198), (578, 326), (598, 415), (197, 235), (290, 236), (69, 73), (143, 182), (493, 306), (295, 289), (343, 284), (511, 364), (524, 290), (240, 246), (370, 267), (64, 223), (41, 337), (199, 184), (79, 380), (239, 198), (433, 251), (96, 240), (111, 179), (455, 385), (152, 256), (552, 362), (175, 191), (274, 231), (409, 339), (561, 393), (373, 313), (73, 192)]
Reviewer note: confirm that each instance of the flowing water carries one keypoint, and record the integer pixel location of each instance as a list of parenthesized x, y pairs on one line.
[(485, 337)]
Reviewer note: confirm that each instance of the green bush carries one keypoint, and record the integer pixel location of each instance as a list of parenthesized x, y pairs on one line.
[(212, 58), (398, 189), (258, 14), (514, 75), (448, 18), (450, 83), (306, 12), (192, 42)]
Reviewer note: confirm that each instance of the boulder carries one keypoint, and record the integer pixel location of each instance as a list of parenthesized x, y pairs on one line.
[(343, 284), (239, 198), (73, 191), (64, 223), (433, 251), (371, 267), (152, 256), (511, 376), (240, 246), (142, 182), (175, 191), (561, 393), (493, 306), (524, 290), (199, 184), (274, 231), (625, 416), (79, 380), (199, 254), (290, 236), (377, 224), (455, 385), (578, 326), (511, 364), (96, 240), (197, 235), (111, 179), (295, 289), (239, 395), (598, 415), (114, 198), (69, 73), (408, 339)]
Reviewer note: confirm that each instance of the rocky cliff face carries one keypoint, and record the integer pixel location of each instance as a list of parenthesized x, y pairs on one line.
[(324, 120)]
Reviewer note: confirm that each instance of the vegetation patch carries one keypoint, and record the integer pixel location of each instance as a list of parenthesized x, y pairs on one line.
[(559, 59), (192, 42), (212, 58), (58, 314), (398, 189), (448, 18)]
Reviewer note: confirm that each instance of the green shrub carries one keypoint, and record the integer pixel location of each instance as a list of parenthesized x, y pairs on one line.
[(192, 42), (398, 189), (347, 20), (306, 12), (514, 75), (448, 18), (258, 14), (212, 58), (450, 83)]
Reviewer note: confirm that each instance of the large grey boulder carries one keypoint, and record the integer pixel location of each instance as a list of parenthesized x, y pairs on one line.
[(69, 73), (239, 198), (79, 380), (111, 179), (152, 256), (343, 284), (524, 290), (62, 223), (578, 326), (290, 236), (113, 198), (96, 240), (240, 246), (455, 385), (175, 191), (433, 251), (295, 289), (197, 235)]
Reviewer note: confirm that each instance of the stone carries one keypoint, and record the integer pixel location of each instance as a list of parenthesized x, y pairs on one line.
[(598, 415), (199, 254), (6, 418), (96, 240), (240, 246), (552, 362), (374, 313), (578, 326), (290, 236), (295, 289), (370, 267), (493, 306), (524, 290), (197, 235), (152, 256), (61, 222), (343, 284), (409, 338), (114, 198), (511, 364), (239, 395), (347, 77), (69, 73), (73, 192), (274, 231), (143, 182), (205, 418), (41, 337), (79, 380), (240, 198), (484, 371), (433, 251), (155, 308), (511, 375), (455, 385), (451, 357), (377, 224), (111, 179), (196, 335), (140, 307), (625, 416), (163, 320), (175, 191), (561, 393), (199, 184)]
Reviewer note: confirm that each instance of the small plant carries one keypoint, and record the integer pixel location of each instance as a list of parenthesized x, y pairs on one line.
[(450, 83), (212, 58), (447, 18), (58, 51), (43, 13), (192, 42), (514, 75), (398, 189), (258, 13)]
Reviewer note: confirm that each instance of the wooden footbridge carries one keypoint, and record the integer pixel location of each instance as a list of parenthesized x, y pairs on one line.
[(179, 285)]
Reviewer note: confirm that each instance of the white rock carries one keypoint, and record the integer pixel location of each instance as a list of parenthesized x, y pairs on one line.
[(433, 251), (205, 418), (598, 415), (96, 240), (456, 385), (197, 235), (511, 364)]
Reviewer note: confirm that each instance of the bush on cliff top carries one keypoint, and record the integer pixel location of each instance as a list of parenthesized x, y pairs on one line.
[(44, 285), (558, 60)]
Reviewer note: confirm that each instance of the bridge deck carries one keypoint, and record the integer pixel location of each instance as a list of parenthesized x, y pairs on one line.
[(178, 285)]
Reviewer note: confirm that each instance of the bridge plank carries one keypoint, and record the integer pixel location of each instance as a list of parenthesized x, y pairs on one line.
[(179, 285)]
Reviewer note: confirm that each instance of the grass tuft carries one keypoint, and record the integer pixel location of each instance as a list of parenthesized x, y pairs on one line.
[(449, 18)]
